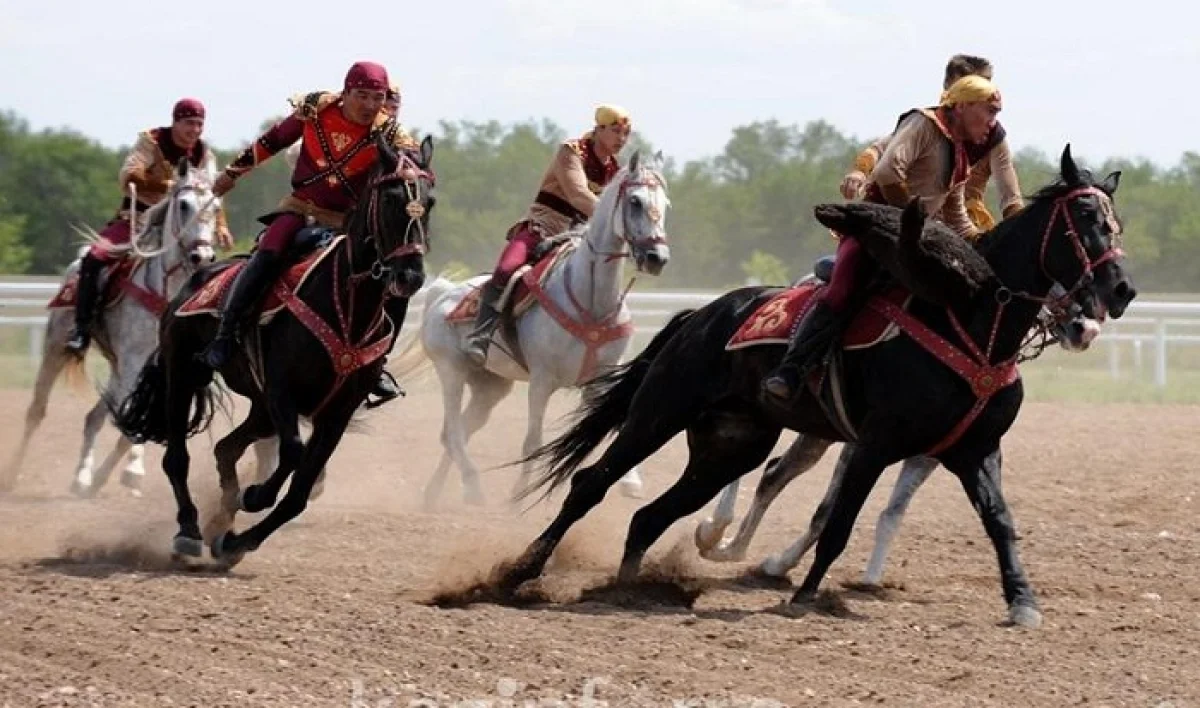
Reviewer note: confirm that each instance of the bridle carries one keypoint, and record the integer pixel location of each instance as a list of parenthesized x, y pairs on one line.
[(1089, 265), (415, 239), (650, 179)]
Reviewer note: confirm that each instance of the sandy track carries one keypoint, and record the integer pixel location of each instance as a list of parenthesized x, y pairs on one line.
[(331, 611)]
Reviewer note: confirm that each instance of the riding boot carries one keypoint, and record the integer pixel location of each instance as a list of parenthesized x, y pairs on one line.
[(248, 288), (386, 387), (485, 323), (812, 340), (87, 292)]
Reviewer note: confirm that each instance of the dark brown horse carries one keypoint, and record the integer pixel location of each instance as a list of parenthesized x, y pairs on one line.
[(901, 396), (319, 357)]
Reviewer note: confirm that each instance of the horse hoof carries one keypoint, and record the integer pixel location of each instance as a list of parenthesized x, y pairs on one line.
[(1024, 616), (249, 501), (772, 568), (707, 536), (132, 482), (81, 491), (631, 490), (187, 546), (474, 498), (223, 554)]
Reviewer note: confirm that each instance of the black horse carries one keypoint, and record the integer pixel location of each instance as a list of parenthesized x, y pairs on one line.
[(902, 400), (319, 357)]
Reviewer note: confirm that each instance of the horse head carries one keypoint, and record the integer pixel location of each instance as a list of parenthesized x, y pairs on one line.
[(394, 222), (183, 224), (1081, 249), (640, 213)]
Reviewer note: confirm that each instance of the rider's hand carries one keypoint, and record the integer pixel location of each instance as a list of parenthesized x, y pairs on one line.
[(223, 184), (852, 184), (224, 239)]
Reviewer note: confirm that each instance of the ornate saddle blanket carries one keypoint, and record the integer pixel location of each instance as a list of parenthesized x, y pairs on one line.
[(776, 320), (519, 295), (117, 282), (209, 298)]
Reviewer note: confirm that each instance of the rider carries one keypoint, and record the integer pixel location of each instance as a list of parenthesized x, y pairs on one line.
[(992, 157), (338, 133), (149, 166), (926, 157), (570, 188)]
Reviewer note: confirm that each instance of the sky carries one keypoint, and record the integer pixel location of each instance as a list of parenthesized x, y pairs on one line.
[(1111, 78)]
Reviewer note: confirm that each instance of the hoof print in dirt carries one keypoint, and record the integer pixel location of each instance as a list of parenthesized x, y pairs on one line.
[(646, 594), (826, 604)]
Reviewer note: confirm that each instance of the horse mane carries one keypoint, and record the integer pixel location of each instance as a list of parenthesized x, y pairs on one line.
[(152, 220), (1042, 198)]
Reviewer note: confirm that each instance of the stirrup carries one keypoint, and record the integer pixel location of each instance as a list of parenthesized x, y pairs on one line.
[(386, 389)]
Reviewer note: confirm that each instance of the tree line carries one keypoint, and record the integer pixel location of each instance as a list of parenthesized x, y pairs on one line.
[(743, 214)]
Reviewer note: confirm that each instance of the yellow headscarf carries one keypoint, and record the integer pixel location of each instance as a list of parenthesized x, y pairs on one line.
[(608, 114), (971, 89)]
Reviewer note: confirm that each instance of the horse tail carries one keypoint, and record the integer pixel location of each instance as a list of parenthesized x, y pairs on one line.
[(143, 415), (412, 361), (605, 406), (75, 373)]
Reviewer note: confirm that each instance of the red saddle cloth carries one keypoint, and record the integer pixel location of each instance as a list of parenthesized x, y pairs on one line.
[(118, 275), (209, 298), (776, 320), (522, 297)]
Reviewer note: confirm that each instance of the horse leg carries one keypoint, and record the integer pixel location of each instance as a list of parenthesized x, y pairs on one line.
[(863, 465), (915, 472), (632, 445), (135, 470), (541, 388), (122, 446), (801, 456), (84, 485), (286, 422), (53, 362), (778, 565), (327, 432), (980, 480), (453, 437), (125, 375), (631, 484), (721, 448), (266, 458), (175, 462), (227, 452)]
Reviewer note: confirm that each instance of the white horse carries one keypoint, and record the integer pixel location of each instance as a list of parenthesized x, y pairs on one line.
[(1075, 333), (179, 232), (579, 326)]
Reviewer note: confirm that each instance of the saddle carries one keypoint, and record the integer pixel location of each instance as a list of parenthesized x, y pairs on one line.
[(112, 286)]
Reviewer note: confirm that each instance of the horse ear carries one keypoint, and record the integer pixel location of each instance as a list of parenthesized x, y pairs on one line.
[(658, 158), (181, 167), (1110, 183), (1068, 168), (388, 159), (633, 161), (427, 151), (912, 220)]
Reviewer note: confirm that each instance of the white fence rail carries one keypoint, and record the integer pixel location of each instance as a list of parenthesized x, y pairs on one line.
[(1158, 326)]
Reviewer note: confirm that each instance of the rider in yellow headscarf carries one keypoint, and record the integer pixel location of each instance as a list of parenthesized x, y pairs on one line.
[(992, 158)]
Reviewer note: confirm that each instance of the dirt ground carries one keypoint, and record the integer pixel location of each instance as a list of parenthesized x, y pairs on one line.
[(334, 610)]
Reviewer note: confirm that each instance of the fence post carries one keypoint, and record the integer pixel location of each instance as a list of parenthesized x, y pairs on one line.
[(1114, 359), (1160, 353)]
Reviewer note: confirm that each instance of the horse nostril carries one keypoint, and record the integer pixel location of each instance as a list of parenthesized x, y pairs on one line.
[(195, 258)]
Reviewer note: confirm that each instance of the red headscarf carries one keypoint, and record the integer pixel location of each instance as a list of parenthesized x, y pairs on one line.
[(367, 75), (187, 108)]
